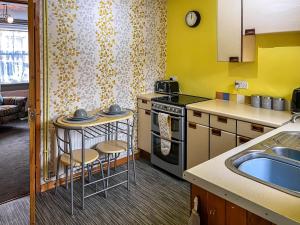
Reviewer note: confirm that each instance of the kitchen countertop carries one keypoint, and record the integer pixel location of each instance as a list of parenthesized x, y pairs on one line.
[(149, 96), (242, 112), (269, 203)]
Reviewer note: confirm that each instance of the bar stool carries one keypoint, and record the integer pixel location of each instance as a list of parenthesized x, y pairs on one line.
[(73, 158), (113, 147)]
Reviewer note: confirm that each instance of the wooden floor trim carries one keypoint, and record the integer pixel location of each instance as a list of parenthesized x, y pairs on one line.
[(51, 185)]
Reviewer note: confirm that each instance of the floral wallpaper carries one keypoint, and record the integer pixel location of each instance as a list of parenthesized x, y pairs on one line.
[(102, 52)]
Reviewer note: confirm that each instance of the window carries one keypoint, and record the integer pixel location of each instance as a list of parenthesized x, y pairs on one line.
[(14, 63)]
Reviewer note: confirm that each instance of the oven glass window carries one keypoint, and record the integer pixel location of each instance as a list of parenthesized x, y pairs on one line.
[(175, 124), (173, 157)]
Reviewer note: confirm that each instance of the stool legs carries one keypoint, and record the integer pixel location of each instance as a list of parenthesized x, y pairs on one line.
[(66, 178), (57, 173), (108, 172)]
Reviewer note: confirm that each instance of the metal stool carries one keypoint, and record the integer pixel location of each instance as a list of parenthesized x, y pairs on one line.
[(112, 148), (73, 158)]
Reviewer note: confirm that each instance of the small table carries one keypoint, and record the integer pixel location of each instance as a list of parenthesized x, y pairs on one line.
[(102, 126)]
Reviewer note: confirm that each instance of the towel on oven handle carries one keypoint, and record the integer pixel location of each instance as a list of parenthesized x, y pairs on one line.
[(164, 122)]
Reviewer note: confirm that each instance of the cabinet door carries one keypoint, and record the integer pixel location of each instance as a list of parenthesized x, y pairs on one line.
[(215, 209), (197, 144), (253, 219), (144, 130), (220, 142), (271, 16), (229, 30), (202, 202), (235, 215)]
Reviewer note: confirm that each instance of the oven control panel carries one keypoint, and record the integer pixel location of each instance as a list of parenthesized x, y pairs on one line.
[(168, 108)]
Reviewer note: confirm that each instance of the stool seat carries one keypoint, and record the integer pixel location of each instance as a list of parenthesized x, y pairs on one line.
[(111, 147), (90, 155)]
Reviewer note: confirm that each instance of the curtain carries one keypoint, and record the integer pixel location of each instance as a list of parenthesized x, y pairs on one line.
[(14, 64)]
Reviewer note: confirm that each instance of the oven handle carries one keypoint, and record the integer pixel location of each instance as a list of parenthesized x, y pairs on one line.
[(173, 141), (173, 117)]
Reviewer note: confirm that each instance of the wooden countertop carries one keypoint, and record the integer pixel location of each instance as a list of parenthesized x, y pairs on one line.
[(242, 112), (100, 120), (269, 203)]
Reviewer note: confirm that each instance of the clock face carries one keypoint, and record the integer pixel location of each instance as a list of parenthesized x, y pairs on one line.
[(193, 18)]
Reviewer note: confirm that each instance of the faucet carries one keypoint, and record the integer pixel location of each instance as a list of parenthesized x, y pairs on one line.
[(295, 117)]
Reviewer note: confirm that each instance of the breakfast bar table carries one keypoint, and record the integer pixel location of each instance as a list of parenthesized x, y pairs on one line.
[(101, 126)]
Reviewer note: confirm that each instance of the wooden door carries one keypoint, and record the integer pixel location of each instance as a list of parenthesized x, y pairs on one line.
[(235, 215), (253, 219), (216, 210), (220, 142), (34, 102), (144, 130), (202, 200), (197, 144)]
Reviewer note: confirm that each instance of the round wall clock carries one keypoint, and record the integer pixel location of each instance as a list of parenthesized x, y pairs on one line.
[(193, 18)]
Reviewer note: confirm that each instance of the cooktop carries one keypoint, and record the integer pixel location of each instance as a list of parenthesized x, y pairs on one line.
[(179, 99)]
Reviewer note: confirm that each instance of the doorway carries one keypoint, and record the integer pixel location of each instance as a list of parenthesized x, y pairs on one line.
[(31, 113), (14, 88)]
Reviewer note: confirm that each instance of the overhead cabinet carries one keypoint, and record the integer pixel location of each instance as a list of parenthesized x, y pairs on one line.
[(240, 20), (271, 16)]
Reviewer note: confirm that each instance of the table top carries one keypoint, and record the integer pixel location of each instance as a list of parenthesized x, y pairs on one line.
[(100, 120)]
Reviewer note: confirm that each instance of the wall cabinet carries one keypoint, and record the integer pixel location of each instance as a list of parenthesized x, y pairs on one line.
[(197, 144), (214, 210), (271, 16), (239, 20), (144, 125)]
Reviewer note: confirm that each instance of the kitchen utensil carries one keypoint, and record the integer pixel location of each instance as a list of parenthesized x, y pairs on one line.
[(279, 104), (256, 101), (266, 102)]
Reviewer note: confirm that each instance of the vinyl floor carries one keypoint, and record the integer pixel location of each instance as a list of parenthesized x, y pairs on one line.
[(157, 198)]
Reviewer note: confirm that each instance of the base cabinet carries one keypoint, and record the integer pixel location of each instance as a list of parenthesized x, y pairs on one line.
[(144, 130), (214, 210), (220, 142), (197, 144)]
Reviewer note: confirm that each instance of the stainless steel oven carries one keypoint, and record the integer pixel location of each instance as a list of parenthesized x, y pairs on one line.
[(174, 162)]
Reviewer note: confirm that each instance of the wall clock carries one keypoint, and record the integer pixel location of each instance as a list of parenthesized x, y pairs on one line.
[(193, 18)]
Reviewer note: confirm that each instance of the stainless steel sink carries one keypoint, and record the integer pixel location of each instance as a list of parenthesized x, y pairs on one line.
[(271, 164), (287, 152)]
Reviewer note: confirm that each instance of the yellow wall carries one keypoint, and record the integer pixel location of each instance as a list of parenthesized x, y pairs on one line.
[(191, 56)]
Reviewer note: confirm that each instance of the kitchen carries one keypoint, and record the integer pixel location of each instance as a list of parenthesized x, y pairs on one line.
[(212, 86)]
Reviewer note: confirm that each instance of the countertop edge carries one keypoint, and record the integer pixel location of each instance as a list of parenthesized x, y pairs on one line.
[(238, 200)]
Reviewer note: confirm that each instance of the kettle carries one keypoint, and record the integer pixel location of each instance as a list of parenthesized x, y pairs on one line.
[(295, 104)]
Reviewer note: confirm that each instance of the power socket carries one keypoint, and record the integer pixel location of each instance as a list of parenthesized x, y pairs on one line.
[(241, 84)]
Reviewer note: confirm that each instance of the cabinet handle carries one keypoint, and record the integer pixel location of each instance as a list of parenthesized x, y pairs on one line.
[(216, 132), (197, 114), (192, 125), (250, 31), (257, 128), (222, 119), (244, 140), (144, 101), (147, 112), (234, 59)]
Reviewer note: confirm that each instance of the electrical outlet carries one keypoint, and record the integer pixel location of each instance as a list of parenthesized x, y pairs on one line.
[(241, 84)]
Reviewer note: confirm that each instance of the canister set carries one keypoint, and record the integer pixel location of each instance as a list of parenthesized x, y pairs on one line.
[(268, 102)]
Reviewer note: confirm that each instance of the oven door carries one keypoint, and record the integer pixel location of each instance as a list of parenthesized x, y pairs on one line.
[(177, 125), (174, 162)]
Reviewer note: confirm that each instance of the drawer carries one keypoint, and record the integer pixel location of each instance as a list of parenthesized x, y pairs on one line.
[(220, 142), (223, 123), (242, 140), (144, 104), (198, 117), (251, 130)]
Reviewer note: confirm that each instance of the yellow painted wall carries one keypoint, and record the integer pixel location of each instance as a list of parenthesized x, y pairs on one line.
[(192, 54)]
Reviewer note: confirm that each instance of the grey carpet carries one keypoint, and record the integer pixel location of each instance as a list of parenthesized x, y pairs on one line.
[(14, 160), (15, 212), (157, 198)]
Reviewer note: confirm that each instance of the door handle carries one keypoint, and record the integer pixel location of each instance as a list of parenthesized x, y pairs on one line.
[(197, 114), (147, 112), (193, 125), (222, 119), (257, 128), (216, 132)]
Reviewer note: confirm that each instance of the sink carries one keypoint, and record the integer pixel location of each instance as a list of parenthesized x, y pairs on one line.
[(287, 152), (269, 163)]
